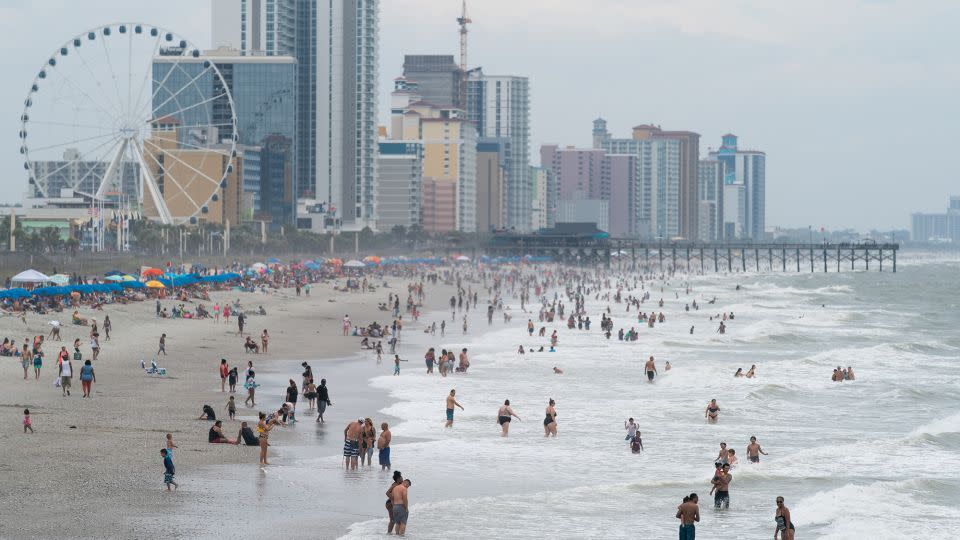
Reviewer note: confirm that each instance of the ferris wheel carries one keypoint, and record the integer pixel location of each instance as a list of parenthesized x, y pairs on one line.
[(132, 113)]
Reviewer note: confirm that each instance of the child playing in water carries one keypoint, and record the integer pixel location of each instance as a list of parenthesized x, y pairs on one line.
[(27, 422)]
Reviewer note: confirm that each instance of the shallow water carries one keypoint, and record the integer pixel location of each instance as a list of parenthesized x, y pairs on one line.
[(878, 457)]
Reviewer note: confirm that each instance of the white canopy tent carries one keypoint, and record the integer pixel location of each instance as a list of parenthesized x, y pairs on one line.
[(30, 276)]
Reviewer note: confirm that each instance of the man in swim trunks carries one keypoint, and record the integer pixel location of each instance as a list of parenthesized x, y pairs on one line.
[(351, 443), (401, 506), (688, 513), (451, 403), (651, 369), (754, 451), (383, 445), (722, 483)]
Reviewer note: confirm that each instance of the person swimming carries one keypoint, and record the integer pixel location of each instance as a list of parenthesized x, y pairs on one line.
[(739, 372)]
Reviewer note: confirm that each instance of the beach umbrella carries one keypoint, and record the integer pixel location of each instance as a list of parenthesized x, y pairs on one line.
[(372, 259), (127, 277), (152, 272), (154, 284), (30, 276), (131, 284), (15, 293), (60, 279), (273, 260), (335, 262), (463, 258), (114, 277), (258, 266), (114, 273), (353, 263)]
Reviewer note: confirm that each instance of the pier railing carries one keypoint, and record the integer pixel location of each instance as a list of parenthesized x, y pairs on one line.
[(706, 257)]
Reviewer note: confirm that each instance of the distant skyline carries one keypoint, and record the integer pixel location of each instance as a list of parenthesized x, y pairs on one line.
[(854, 109)]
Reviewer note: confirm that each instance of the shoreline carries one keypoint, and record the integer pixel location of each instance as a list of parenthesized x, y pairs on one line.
[(103, 452)]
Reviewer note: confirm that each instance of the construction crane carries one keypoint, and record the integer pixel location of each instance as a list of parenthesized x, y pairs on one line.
[(463, 20)]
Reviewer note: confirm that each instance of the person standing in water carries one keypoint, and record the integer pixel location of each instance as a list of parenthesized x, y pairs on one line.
[(712, 411), (550, 422), (689, 514), (631, 428), (397, 481), (721, 482), (754, 451), (651, 369), (451, 403), (785, 527), (503, 417)]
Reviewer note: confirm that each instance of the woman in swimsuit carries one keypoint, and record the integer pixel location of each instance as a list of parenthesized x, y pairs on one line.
[(739, 372), (785, 527), (368, 440), (263, 429), (712, 411), (503, 417), (550, 422)]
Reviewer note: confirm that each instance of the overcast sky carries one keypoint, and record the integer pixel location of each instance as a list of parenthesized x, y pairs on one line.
[(854, 101)]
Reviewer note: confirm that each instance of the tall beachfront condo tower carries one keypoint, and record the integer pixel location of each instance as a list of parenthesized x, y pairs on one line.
[(499, 106), (336, 45), (746, 171)]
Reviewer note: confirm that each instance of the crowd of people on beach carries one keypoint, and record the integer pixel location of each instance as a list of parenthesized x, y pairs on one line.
[(558, 297)]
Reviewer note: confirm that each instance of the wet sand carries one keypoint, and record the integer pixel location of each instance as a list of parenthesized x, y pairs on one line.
[(93, 469)]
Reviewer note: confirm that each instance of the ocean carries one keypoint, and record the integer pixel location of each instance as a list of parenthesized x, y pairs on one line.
[(878, 457)]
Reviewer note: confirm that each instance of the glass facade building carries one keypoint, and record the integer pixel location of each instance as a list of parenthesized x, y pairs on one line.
[(264, 96)]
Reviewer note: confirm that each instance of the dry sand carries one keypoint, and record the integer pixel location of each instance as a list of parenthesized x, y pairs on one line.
[(93, 470)]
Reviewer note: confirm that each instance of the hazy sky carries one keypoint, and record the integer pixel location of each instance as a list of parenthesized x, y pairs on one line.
[(855, 102)]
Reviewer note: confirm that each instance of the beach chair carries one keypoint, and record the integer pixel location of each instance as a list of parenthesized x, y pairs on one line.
[(153, 369)]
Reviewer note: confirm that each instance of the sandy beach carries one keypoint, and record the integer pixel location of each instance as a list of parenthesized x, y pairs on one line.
[(93, 470)]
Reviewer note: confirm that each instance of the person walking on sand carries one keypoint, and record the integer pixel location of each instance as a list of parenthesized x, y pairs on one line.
[(37, 360), (66, 371), (241, 320), (383, 447), (224, 372), (107, 327), (168, 469), (163, 345), (503, 417), (451, 403), (251, 386), (550, 422), (87, 378)]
